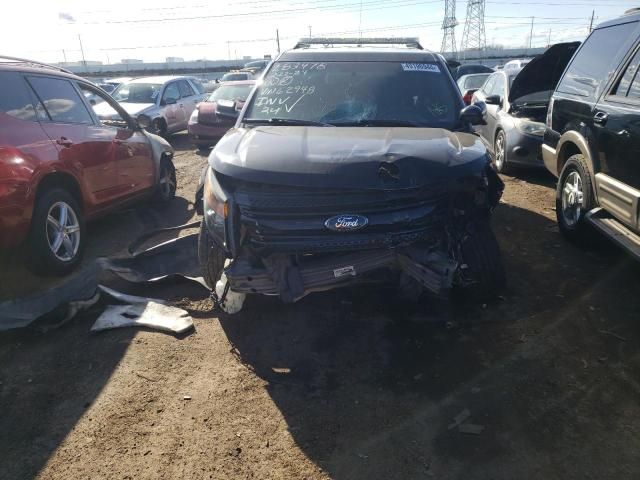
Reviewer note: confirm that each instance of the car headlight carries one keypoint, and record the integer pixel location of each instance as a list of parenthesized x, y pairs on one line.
[(213, 204), (529, 127), (193, 119)]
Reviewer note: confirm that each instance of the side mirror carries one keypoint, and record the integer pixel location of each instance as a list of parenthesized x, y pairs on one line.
[(493, 100), (474, 114), (144, 121)]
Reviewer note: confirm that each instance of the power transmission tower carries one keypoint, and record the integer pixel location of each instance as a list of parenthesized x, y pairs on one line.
[(473, 36), (449, 28)]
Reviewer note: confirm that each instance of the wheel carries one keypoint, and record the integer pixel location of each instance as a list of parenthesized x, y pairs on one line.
[(211, 257), (57, 235), (484, 271), (160, 127), (167, 182), (574, 198), (500, 152)]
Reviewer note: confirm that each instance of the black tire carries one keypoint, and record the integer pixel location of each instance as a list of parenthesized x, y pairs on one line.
[(484, 270), (167, 182), (211, 257), (160, 127), (575, 231), (42, 259), (500, 142)]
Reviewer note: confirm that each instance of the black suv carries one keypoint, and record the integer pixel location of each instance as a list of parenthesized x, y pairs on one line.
[(352, 163), (592, 140)]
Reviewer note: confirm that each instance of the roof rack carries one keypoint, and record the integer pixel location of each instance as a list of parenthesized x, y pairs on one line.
[(34, 63), (410, 42)]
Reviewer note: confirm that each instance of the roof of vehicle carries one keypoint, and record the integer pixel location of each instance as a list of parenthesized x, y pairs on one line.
[(358, 54), (481, 74), (27, 67), (631, 15), (160, 79)]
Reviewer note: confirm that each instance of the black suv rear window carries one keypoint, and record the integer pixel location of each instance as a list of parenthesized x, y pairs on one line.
[(596, 61), (15, 99), (347, 92)]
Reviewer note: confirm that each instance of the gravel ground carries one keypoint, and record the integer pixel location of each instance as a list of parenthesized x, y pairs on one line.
[(350, 384)]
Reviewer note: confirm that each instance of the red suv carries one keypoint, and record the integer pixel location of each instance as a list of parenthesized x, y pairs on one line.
[(60, 165)]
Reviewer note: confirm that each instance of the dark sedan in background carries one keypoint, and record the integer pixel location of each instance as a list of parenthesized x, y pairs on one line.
[(212, 118), (517, 103)]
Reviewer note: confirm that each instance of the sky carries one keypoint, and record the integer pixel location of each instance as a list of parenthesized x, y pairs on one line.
[(151, 30)]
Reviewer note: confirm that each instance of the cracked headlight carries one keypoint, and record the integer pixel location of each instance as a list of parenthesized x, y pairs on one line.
[(529, 127)]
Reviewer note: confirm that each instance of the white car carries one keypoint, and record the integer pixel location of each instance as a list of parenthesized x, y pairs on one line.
[(168, 101), (515, 65)]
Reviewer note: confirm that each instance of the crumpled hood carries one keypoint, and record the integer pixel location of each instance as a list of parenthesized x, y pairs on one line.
[(348, 157), (104, 110)]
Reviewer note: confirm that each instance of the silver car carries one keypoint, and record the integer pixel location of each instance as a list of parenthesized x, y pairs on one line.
[(167, 101)]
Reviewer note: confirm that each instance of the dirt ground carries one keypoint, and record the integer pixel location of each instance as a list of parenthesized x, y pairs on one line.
[(350, 384)]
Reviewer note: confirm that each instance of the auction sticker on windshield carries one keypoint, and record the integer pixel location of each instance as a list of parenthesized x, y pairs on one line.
[(420, 67)]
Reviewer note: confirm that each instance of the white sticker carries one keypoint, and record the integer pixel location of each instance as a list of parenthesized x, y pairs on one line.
[(341, 272), (420, 67)]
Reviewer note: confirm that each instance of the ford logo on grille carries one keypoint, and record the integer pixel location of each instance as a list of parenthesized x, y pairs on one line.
[(346, 223)]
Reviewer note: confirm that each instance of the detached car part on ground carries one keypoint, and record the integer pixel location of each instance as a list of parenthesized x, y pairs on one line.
[(332, 177), (517, 102), (61, 165)]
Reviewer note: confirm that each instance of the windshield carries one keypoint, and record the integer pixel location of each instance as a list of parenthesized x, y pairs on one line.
[(231, 92), (137, 92), (350, 92), (231, 77)]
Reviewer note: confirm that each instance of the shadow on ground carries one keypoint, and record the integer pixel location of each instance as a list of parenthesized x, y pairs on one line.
[(369, 385)]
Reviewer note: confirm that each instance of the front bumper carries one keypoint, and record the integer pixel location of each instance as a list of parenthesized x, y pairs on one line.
[(524, 149), (291, 280), (206, 135)]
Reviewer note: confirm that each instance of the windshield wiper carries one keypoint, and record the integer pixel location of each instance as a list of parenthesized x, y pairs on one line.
[(286, 121), (375, 122)]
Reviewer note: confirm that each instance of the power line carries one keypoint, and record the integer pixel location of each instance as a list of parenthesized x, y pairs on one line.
[(289, 11)]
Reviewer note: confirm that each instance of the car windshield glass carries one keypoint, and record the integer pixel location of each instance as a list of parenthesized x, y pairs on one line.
[(137, 92), (230, 77), (475, 81), (231, 92), (353, 92)]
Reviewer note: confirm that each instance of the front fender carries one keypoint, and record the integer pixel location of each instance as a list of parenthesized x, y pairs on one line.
[(161, 149)]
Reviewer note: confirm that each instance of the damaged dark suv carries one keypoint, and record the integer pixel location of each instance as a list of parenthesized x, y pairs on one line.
[(352, 164)]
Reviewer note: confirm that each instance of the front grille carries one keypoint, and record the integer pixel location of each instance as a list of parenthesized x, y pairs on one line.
[(292, 219)]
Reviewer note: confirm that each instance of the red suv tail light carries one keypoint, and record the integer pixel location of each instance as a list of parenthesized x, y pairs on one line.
[(467, 98)]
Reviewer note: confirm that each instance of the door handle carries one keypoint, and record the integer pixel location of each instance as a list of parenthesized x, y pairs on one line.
[(600, 118), (64, 141)]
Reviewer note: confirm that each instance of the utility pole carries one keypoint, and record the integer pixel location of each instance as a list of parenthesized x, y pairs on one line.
[(531, 34), (84, 62), (549, 39), (278, 40), (64, 55), (449, 29), (309, 31), (593, 12)]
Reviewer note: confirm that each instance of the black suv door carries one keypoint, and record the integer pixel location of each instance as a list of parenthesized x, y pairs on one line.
[(616, 125)]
